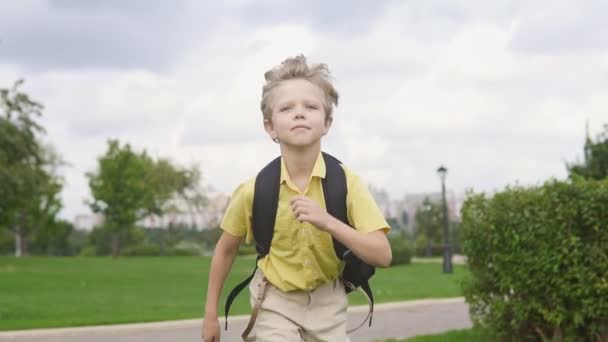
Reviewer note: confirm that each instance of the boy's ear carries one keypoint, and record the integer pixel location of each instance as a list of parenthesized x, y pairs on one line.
[(269, 128), (267, 124), (328, 123)]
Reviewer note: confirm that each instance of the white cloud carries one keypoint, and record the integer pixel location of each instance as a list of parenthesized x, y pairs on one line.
[(561, 28)]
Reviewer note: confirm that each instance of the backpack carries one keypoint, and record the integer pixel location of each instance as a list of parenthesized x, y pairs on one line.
[(355, 273)]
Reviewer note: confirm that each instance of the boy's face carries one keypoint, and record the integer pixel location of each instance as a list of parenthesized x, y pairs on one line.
[(298, 116)]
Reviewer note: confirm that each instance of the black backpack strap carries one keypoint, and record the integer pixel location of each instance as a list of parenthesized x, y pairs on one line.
[(368, 291), (356, 272), (235, 292), (334, 192), (264, 213), (265, 204)]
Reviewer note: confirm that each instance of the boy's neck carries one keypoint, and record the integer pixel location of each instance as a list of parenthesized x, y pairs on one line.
[(300, 162)]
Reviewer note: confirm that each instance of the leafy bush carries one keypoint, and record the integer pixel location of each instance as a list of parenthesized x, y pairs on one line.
[(77, 240), (538, 259), (422, 249), (7, 242), (210, 237), (52, 238), (141, 249), (101, 238), (402, 249), (88, 251), (186, 248)]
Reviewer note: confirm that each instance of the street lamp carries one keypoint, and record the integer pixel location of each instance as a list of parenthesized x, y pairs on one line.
[(447, 254)]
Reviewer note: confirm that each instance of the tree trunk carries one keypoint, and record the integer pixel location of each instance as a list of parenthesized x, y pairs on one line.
[(21, 235), (18, 241), (25, 248)]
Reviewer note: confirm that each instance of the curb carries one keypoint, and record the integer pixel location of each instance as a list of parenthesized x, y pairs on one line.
[(196, 322)]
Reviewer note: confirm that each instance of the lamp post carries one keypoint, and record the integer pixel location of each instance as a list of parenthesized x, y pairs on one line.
[(447, 254)]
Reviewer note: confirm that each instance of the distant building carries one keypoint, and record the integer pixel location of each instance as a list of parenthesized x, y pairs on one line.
[(406, 207), (382, 200), (87, 221), (207, 217), (211, 214)]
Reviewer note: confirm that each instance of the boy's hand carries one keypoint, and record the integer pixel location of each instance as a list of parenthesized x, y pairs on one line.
[(211, 330), (307, 210)]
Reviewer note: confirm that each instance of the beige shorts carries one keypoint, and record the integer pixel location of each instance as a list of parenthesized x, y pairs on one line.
[(318, 315)]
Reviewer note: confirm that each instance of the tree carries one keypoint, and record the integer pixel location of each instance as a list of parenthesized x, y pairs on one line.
[(394, 223), (53, 239), (405, 218), (29, 184), (172, 182), (595, 163), (129, 186), (429, 225), (45, 205)]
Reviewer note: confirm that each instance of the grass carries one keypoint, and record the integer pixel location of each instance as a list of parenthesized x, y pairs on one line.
[(41, 292), (465, 335)]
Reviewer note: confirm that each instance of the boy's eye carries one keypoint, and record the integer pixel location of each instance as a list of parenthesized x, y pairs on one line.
[(311, 107), (283, 109)]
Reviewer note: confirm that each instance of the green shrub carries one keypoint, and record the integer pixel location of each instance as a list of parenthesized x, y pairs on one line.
[(7, 242), (186, 248), (210, 237), (101, 238), (422, 248), (538, 261), (77, 240), (402, 249), (141, 249), (88, 251)]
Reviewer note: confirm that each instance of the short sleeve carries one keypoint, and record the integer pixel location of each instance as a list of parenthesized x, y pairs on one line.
[(237, 218), (362, 210)]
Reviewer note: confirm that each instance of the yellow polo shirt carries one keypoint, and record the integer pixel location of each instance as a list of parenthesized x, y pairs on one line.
[(302, 257)]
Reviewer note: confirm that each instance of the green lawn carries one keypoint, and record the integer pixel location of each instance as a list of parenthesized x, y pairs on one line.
[(37, 292), (466, 335)]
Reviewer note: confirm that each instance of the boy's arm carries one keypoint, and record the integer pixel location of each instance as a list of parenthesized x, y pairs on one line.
[(372, 247), (226, 250)]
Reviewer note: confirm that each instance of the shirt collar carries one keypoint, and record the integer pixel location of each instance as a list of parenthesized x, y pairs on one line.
[(317, 171)]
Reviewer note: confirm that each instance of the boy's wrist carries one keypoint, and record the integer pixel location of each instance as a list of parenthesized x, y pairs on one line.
[(211, 315), (211, 311), (330, 225)]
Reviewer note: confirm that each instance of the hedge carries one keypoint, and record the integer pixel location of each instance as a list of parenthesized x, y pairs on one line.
[(538, 258), (402, 249)]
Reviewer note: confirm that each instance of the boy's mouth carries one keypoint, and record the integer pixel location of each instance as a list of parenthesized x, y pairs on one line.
[(299, 126)]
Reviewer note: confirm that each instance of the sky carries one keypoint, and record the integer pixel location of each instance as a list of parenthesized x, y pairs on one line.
[(497, 91)]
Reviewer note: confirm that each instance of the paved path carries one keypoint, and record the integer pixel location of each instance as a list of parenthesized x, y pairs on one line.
[(456, 260), (391, 320)]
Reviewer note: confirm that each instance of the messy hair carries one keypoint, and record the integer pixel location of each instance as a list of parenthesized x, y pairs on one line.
[(297, 68)]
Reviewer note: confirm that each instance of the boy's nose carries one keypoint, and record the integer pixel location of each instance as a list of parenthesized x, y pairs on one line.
[(299, 111)]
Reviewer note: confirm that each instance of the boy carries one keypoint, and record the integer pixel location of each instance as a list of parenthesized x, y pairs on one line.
[(303, 298)]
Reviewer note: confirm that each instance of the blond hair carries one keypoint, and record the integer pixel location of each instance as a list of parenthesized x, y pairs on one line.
[(297, 68)]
